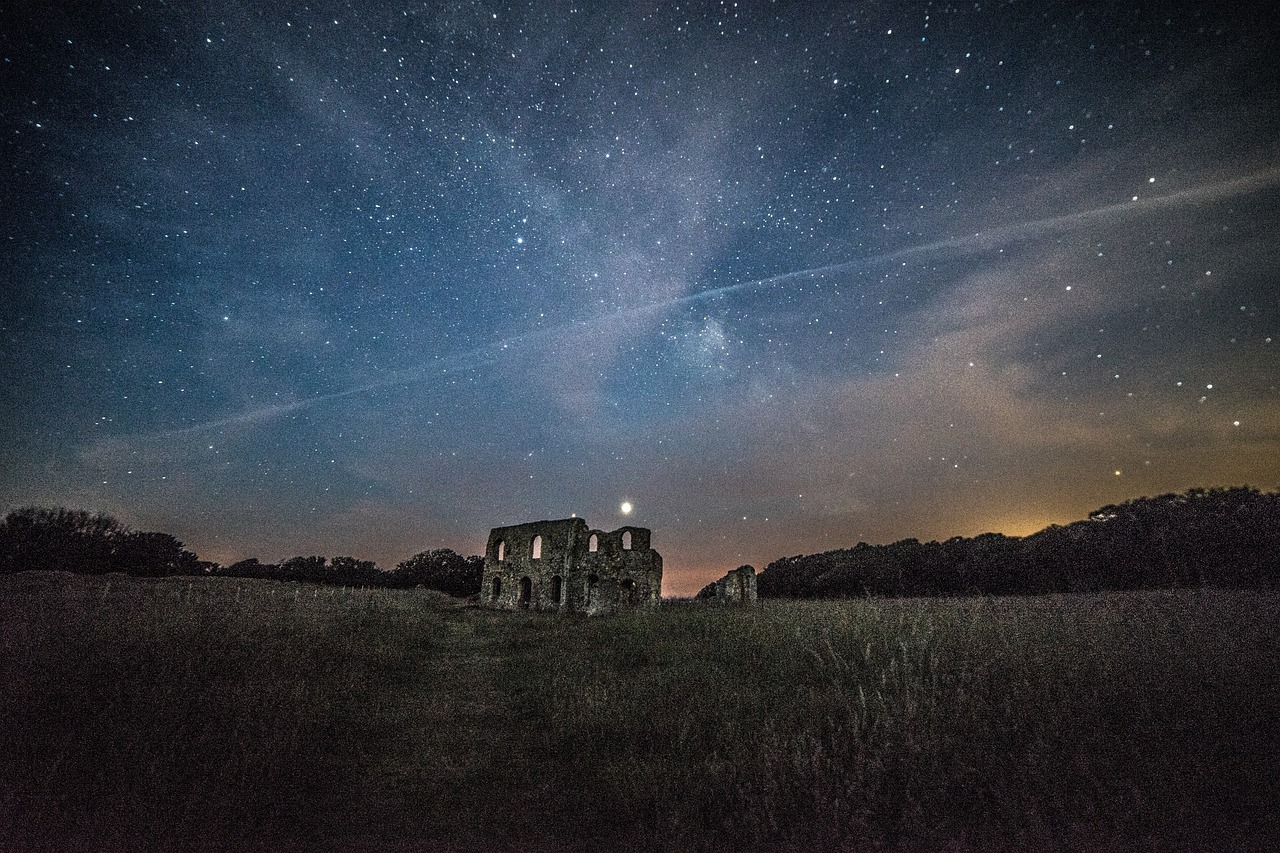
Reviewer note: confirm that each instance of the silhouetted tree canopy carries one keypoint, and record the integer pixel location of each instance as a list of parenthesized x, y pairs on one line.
[(35, 538), (443, 570), (1228, 537), (350, 571), (340, 571), (250, 568)]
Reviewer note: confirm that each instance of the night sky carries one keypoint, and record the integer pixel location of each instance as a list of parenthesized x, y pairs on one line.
[(372, 278)]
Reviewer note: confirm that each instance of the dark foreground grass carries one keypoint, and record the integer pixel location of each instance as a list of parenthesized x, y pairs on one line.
[(190, 714)]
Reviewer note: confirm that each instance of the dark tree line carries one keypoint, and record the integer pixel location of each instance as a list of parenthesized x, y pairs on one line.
[(39, 539), (442, 569), (341, 571), (76, 541), (1217, 537)]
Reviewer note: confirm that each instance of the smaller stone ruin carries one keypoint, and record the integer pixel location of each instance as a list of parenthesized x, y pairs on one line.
[(736, 587)]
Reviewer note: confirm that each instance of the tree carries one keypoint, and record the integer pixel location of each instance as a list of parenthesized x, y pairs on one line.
[(1226, 537), (250, 568), (37, 538), (444, 570), (311, 569), (153, 555), (348, 571)]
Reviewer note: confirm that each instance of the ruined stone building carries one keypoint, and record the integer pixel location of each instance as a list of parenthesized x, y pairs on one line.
[(736, 587), (565, 566)]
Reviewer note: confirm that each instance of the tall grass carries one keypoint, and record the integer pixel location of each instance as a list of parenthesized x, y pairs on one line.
[(197, 714), (1124, 720), (188, 713)]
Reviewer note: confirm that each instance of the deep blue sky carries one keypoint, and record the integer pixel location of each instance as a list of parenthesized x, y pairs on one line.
[(287, 279)]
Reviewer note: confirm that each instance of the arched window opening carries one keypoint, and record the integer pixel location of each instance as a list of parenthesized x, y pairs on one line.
[(592, 581), (557, 590), (526, 591), (502, 551), (626, 540), (593, 543), (629, 591), (497, 588), (536, 548)]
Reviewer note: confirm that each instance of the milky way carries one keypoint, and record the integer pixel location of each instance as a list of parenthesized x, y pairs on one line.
[(289, 279)]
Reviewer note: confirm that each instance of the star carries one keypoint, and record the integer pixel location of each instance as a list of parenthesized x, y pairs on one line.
[(416, 297)]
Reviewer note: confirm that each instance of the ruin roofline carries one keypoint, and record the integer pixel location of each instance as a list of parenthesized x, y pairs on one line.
[(573, 520)]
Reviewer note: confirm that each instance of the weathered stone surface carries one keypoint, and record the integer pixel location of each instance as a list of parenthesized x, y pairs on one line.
[(736, 587), (566, 566)]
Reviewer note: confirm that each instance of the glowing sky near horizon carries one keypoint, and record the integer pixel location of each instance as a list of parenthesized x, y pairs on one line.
[(369, 279)]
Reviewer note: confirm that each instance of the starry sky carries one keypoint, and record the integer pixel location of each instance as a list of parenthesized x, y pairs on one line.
[(372, 278)]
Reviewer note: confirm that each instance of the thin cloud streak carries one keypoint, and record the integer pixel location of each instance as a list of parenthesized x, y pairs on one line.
[(1019, 232), (491, 354)]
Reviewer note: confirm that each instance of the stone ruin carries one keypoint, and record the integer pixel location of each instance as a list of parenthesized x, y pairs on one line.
[(566, 566), (736, 587)]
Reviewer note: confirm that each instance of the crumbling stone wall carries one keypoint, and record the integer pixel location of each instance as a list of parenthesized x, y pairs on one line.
[(736, 587), (566, 566)]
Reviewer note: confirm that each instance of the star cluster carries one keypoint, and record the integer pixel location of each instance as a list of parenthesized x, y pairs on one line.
[(373, 278)]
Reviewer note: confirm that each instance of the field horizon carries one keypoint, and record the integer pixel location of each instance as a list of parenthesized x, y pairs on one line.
[(193, 713)]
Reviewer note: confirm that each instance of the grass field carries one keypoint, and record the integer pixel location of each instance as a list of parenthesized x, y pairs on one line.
[(203, 713)]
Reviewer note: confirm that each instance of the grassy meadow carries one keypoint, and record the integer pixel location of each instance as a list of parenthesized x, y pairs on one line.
[(229, 714)]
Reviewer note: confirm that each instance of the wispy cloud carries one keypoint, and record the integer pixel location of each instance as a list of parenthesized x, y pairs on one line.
[(609, 328)]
